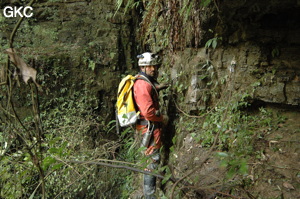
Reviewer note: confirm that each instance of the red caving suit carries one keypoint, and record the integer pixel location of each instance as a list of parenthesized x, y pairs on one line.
[(147, 101)]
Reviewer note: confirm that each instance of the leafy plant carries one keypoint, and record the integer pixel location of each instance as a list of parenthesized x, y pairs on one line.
[(213, 42), (235, 165), (275, 52), (205, 3), (130, 4)]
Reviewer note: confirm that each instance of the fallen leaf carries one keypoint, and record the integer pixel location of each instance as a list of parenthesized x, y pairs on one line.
[(288, 185), (27, 72)]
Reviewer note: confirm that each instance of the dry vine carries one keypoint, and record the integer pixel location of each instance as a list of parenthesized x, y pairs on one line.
[(10, 112)]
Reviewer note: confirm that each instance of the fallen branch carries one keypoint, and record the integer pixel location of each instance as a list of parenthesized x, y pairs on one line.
[(172, 179), (117, 166)]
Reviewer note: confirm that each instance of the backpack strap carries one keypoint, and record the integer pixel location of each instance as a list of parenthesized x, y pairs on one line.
[(126, 79), (147, 80)]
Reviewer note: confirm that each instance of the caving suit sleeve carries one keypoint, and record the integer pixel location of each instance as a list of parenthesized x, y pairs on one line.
[(146, 100)]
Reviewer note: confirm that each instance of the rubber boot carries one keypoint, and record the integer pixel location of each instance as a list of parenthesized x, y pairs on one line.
[(149, 186)]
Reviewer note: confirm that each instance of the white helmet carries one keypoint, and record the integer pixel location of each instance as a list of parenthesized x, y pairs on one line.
[(148, 59)]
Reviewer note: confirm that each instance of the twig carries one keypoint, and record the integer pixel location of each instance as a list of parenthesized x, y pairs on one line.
[(12, 35), (186, 114), (216, 6), (115, 161), (284, 167), (205, 114), (70, 184), (115, 166), (196, 168), (5, 111), (33, 193), (172, 179), (36, 160), (213, 191)]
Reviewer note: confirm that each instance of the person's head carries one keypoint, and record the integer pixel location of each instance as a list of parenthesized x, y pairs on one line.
[(149, 64)]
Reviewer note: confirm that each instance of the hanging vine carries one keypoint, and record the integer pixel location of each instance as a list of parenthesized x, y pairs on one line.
[(173, 25)]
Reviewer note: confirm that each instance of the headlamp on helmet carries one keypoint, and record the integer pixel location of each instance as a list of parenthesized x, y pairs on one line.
[(148, 59)]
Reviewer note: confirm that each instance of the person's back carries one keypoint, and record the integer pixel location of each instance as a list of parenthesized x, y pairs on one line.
[(146, 99)]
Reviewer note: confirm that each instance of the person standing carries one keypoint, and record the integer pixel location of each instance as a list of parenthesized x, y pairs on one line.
[(145, 91)]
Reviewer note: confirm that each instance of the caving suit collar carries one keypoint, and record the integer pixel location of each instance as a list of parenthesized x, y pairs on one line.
[(152, 80)]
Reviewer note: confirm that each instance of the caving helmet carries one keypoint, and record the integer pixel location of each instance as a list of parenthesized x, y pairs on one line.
[(148, 59)]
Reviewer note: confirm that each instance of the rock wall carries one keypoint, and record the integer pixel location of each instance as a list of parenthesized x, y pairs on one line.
[(258, 51)]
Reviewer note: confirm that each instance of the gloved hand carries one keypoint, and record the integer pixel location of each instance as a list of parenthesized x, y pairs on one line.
[(162, 86), (165, 120)]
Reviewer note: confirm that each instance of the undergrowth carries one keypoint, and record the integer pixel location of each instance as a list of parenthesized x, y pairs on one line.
[(235, 129), (42, 133)]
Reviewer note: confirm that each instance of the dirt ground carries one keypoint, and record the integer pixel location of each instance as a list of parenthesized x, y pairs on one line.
[(274, 169)]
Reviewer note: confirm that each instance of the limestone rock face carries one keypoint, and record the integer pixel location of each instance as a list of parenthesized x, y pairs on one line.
[(262, 40)]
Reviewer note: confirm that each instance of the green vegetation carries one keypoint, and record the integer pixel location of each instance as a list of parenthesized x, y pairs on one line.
[(55, 143), (213, 42), (42, 132), (69, 129), (231, 131), (183, 17)]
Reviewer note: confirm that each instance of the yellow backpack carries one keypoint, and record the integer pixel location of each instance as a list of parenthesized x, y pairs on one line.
[(126, 111)]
